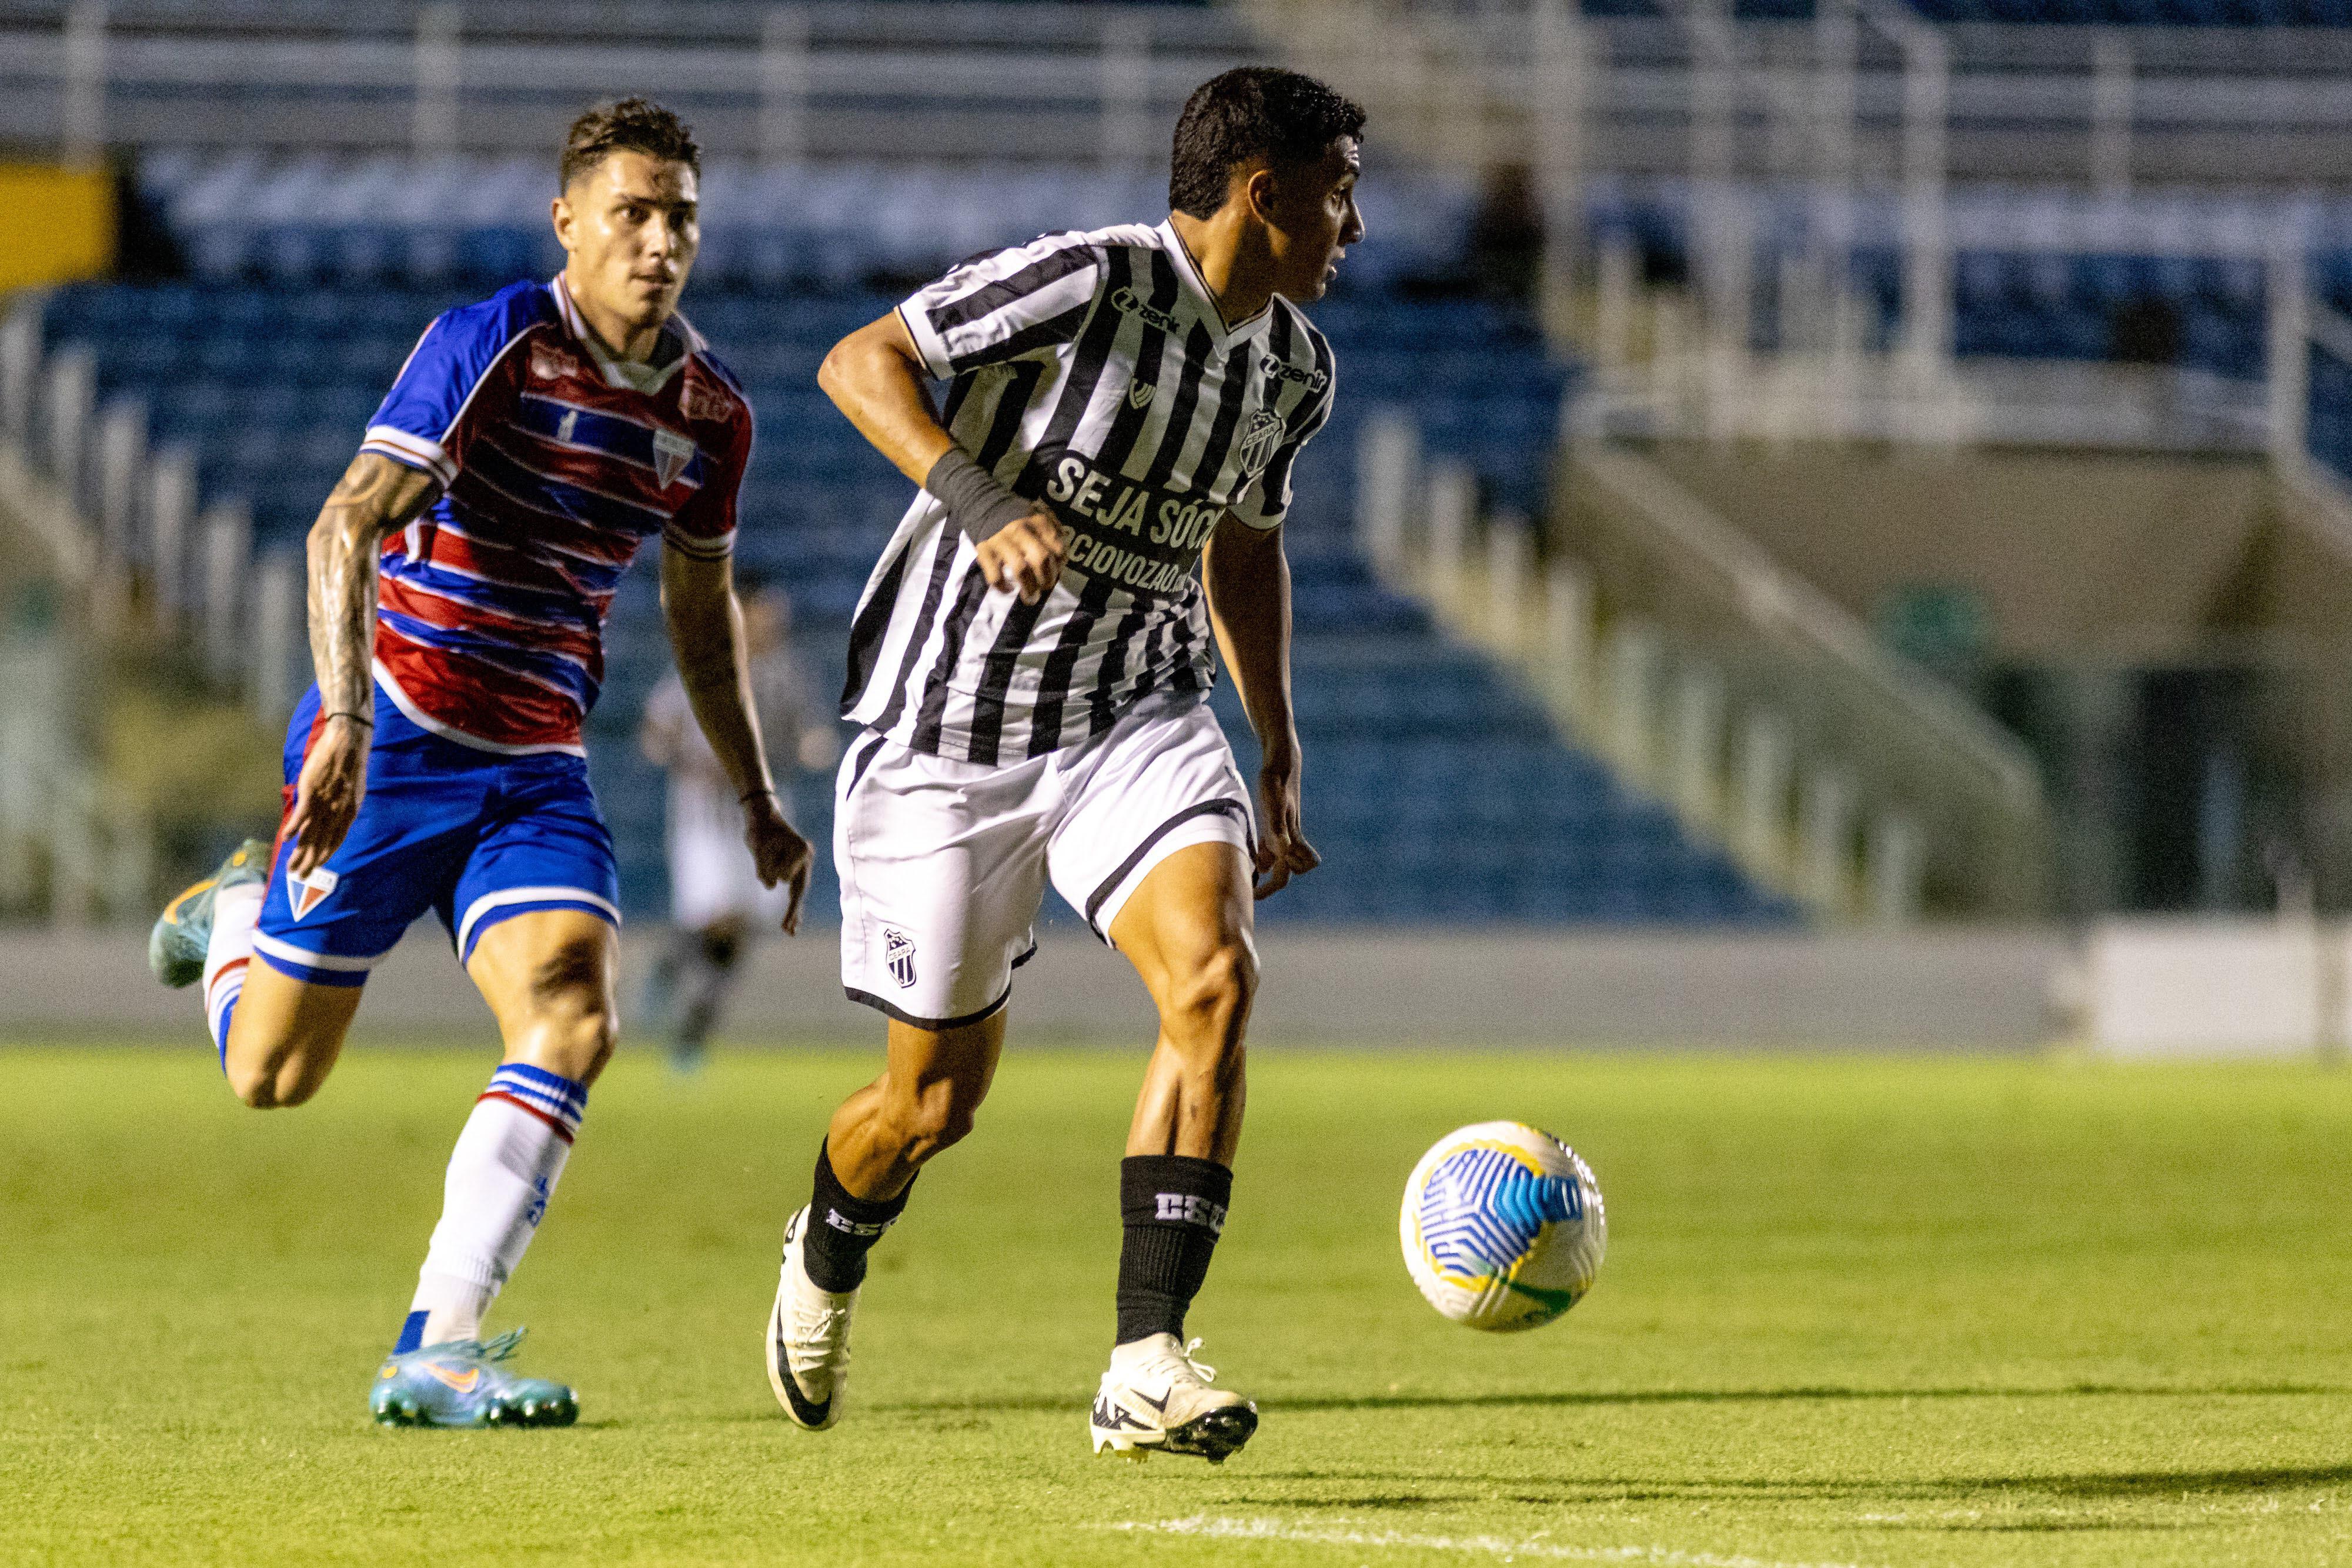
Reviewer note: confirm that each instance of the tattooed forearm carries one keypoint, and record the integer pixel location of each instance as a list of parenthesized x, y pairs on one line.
[(705, 633), (375, 498)]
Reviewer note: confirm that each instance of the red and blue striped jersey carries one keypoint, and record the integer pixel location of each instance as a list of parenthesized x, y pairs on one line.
[(556, 464)]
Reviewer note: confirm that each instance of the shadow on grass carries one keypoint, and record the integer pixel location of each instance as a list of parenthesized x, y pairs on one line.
[(1419, 1490), (1529, 1400)]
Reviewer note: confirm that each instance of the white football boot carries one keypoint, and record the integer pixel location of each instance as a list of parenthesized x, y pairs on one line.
[(1155, 1396), (807, 1348)]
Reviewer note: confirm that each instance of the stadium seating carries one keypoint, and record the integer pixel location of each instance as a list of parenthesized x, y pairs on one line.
[(243, 217), (2157, 277), (1409, 735)]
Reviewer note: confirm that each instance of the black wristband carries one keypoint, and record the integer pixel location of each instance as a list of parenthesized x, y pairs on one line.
[(981, 506), (356, 718)]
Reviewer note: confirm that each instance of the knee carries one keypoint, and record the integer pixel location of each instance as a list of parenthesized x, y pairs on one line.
[(935, 1117), (278, 1083), (577, 1029), (1211, 998)]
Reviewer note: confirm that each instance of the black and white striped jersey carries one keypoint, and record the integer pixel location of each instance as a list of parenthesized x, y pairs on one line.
[(1090, 372)]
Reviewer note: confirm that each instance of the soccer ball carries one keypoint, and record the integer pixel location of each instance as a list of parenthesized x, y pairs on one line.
[(1501, 1226)]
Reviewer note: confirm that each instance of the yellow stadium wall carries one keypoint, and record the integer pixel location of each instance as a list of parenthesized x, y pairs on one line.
[(56, 225)]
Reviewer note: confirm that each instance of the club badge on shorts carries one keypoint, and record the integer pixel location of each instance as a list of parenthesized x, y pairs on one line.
[(304, 894), (899, 952)]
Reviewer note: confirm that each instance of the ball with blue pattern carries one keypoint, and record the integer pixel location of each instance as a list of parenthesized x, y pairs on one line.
[(1503, 1226)]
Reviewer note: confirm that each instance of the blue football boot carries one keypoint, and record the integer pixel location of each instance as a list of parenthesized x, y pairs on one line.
[(175, 948), (460, 1384)]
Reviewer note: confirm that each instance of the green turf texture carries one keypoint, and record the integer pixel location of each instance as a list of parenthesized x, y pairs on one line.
[(1855, 1310)]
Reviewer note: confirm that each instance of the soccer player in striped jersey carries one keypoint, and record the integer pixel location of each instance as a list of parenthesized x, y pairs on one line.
[(1102, 500), (459, 576)]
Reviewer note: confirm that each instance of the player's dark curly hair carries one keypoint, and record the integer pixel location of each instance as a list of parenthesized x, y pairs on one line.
[(1251, 112), (632, 125)]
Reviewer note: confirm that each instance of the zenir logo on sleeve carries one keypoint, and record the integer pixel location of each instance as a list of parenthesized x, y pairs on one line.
[(1127, 303), (1313, 380), (304, 894)]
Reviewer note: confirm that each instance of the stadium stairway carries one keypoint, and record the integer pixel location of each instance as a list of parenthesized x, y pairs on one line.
[(1436, 790)]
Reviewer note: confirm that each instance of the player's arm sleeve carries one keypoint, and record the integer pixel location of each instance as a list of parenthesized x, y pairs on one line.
[(1003, 305), (416, 425), (1266, 500), (704, 527)]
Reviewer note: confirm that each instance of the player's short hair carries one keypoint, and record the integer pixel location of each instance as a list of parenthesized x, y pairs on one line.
[(1251, 112), (632, 125)]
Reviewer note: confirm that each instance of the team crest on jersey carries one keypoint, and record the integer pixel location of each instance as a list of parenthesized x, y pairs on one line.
[(304, 894), (550, 363), (1258, 441), (672, 453), (899, 952), (1139, 395)]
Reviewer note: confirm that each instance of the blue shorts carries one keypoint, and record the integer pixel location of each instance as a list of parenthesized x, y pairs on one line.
[(474, 836)]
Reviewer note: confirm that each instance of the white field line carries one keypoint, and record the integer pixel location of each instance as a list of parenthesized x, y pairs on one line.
[(1201, 1524)]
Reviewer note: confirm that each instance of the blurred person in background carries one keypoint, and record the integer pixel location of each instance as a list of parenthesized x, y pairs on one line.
[(717, 899)]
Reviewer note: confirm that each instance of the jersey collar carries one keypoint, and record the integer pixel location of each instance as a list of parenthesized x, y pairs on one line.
[(671, 349), (1190, 271)]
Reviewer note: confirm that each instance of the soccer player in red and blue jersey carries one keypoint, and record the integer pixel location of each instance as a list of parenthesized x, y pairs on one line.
[(459, 577)]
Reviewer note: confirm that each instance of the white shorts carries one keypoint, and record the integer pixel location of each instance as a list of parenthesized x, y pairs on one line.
[(711, 874), (943, 863)]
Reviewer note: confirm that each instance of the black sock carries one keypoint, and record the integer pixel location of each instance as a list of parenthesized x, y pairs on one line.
[(1172, 1208), (843, 1228)]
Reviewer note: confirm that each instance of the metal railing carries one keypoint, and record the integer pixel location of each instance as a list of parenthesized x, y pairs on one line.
[(778, 82), (1898, 740), (1762, 712)]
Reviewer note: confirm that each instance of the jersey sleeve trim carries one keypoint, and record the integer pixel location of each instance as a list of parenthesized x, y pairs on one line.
[(411, 452), (453, 360), (927, 343), (700, 547)]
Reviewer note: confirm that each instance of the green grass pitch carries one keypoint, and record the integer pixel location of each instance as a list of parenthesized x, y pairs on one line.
[(1855, 1310)]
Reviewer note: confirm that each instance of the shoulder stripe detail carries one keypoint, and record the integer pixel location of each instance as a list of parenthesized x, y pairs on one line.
[(1078, 387), (990, 298)]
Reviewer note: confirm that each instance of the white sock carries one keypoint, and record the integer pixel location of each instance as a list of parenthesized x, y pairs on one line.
[(501, 1175), (235, 912)]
